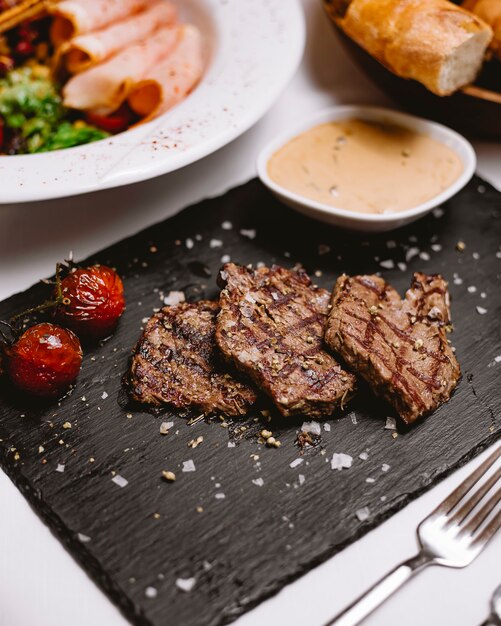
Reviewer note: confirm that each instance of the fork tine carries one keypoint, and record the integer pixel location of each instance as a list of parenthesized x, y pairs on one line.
[(489, 531), (472, 502), (459, 493), (480, 517)]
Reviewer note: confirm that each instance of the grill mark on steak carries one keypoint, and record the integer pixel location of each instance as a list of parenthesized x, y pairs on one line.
[(399, 346), (176, 362), (271, 327), (396, 376), (400, 333)]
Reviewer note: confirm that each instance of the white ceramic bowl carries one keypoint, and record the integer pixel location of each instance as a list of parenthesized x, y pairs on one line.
[(253, 49), (362, 221)]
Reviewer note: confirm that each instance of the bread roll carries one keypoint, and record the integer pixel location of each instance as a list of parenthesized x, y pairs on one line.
[(432, 41), (490, 12)]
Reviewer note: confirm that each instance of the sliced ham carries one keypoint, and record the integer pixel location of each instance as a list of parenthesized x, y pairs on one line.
[(81, 53), (167, 83), (77, 17), (104, 87)]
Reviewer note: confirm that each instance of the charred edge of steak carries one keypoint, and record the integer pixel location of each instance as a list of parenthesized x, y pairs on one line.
[(271, 327), (396, 339), (176, 362)]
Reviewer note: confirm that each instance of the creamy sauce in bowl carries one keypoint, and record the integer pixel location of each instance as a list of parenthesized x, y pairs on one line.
[(365, 167)]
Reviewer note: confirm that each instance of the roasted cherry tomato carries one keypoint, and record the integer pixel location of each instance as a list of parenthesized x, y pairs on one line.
[(24, 48), (44, 361), (93, 301), (115, 123)]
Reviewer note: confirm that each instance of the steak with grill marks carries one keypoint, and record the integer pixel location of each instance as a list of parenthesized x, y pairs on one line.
[(176, 362), (398, 346), (271, 326)]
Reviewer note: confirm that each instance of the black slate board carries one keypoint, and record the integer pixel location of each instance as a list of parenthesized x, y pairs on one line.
[(249, 544)]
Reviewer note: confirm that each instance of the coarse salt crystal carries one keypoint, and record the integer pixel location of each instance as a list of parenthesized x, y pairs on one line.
[(341, 461), (411, 253), (151, 592), (424, 256), (60, 468), (296, 462), (250, 233), (387, 264), (226, 258), (364, 456), (120, 481), (258, 481), (185, 584), (226, 225), (215, 243), (301, 479), (481, 310), (402, 266), (189, 243), (391, 423), (472, 289), (231, 444), (104, 395), (312, 427), (327, 427), (391, 244), (220, 496), (188, 466), (438, 212), (354, 419), (165, 427), (363, 513), (436, 247), (83, 538), (174, 297), (369, 479), (385, 467)]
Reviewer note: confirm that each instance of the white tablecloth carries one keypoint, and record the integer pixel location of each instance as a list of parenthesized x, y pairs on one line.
[(39, 582)]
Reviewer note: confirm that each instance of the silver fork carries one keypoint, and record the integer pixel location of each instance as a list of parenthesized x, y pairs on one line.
[(453, 536), (494, 618)]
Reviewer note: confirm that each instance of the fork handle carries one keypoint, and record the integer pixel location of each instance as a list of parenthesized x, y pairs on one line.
[(365, 604)]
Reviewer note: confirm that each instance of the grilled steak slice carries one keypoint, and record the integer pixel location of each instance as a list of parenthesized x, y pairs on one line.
[(176, 362), (271, 326), (399, 346)]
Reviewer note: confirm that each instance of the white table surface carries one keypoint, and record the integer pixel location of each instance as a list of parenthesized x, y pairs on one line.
[(39, 581)]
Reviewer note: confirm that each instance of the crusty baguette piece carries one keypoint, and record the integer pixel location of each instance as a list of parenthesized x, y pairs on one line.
[(490, 12), (432, 41)]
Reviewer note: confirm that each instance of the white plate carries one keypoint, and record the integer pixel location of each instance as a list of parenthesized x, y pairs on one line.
[(254, 48), (364, 221)]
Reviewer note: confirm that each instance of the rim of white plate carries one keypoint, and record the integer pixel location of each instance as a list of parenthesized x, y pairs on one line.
[(255, 47)]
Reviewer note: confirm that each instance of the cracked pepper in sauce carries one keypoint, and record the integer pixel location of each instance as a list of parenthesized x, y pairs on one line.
[(366, 167)]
